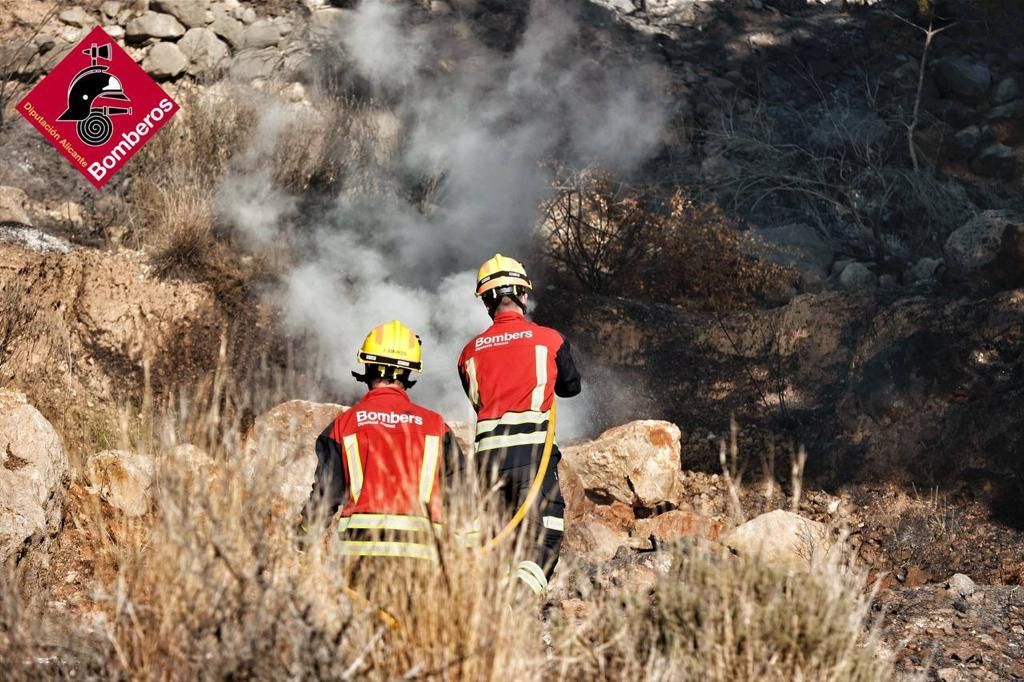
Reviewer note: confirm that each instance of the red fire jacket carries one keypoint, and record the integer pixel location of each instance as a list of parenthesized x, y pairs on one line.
[(511, 373), (381, 461)]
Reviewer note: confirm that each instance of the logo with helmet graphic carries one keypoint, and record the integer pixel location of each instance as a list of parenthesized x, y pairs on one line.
[(97, 107)]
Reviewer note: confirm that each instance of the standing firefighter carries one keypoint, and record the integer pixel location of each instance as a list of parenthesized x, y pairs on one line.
[(381, 461), (512, 373)]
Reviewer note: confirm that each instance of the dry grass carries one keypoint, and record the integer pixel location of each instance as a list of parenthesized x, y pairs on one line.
[(213, 585)]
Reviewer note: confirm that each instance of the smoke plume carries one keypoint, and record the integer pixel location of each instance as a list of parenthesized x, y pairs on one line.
[(485, 124)]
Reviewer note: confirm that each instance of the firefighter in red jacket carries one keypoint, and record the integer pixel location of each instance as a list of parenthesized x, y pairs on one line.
[(512, 373), (382, 460)]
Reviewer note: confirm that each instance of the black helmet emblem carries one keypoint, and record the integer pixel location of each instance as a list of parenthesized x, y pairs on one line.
[(93, 83)]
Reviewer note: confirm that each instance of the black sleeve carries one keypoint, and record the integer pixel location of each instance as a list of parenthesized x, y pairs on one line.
[(454, 460), (568, 382), (329, 484)]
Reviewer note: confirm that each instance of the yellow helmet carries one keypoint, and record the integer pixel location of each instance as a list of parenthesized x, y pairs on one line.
[(501, 271), (392, 344)]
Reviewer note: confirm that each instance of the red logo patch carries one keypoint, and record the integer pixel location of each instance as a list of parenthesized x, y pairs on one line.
[(97, 107)]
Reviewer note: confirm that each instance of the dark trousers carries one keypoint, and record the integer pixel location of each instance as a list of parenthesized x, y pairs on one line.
[(544, 521)]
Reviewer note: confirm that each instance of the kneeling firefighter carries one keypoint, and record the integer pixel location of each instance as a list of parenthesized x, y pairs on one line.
[(382, 461), (511, 373)]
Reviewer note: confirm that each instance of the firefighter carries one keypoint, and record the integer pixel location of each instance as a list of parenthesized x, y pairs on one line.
[(511, 373), (381, 461)]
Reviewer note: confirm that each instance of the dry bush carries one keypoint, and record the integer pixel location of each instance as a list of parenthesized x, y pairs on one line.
[(614, 239), (719, 617)]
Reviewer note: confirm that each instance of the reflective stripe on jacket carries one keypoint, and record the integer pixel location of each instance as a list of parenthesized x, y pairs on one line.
[(511, 373), (381, 462)]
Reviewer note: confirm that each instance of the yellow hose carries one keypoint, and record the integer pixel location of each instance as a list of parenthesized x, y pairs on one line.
[(382, 615), (535, 487)]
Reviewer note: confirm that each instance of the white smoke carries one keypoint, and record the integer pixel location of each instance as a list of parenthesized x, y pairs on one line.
[(485, 122)]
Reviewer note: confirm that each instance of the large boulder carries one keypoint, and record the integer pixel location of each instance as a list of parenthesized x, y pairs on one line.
[(676, 524), (782, 539), (204, 50), (961, 79), (995, 160), (33, 474), (122, 480), (165, 60), (153, 25), (191, 13), (975, 247), (282, 442), (637, 464)]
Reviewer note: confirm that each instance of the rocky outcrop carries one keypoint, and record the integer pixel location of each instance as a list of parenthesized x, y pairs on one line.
[(122, 480), (782, 539), (637, 464), (621, 492), (280, 447), (33, 474), (83, 324), (953, 635)]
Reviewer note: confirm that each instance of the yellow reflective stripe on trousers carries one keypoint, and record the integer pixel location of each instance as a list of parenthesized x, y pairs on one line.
[(553, 523), (354, 465), (474, 386), (428, 472), (512, 418), (537, 398), (387, 522), (503, 442), (531, 574), (410, 550)]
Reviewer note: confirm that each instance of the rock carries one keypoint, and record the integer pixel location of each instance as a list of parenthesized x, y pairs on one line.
[(250, 65), (13, 205), (977, 245), (114, 31), (33, 475), (960, 585), (228, 28), (191, 13), (963, 80), (76, 16), (637, 464), (111, 8), (948, 675), (1006, 90), (676, 524), (857, 276), (165, 60), (596, 542), (204, 51), (968, 140), (464, 435), (281, 444), (926, 269), (916, 577), (189, 456), (153, 25), (781, 539), (122, 480), (263, 33), (1011, 111), (440, 7), (995, 160)]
